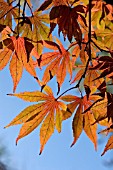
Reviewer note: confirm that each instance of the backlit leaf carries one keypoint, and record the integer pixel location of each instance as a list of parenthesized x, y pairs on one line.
[(29, 126), (46, 130), (68, 24), (77, 124), (109, 145), (90, 129), (27, 114), (48, 110), (20, 51), (57, 60), (31, 96), (58, 119), (16, 68)]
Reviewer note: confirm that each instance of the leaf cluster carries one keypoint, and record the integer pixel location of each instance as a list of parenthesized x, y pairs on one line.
[(87, 26)]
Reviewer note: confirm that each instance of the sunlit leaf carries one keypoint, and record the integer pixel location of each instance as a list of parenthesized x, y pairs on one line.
[(77, 124), (49, 110), (109, 145), (46, 130)]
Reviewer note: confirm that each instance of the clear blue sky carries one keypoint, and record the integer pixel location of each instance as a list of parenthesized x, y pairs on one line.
[(57, 154)]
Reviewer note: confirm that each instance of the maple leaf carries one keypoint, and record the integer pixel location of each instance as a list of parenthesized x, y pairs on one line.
[(103, 38), (7, 12), (105, 65), (81, 121), (99, 15), (89, 24), (109, 145), (58, 63), (48, 111), (4, 32), (49, 3), (90, 79), (35, 28), (77, 124), (45, 5), (68, 24), (99, 115), (82, 50), (19, 50)]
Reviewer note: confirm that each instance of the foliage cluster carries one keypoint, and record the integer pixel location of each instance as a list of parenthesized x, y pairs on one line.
[(87, 26)]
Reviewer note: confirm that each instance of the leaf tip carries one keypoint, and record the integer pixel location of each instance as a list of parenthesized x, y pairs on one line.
[(17, 141), (95, 146), (40, 153), (103, 153), (72, 144), (10, 94), (42, 87), (58, 88), (14, 89), (41, 149)]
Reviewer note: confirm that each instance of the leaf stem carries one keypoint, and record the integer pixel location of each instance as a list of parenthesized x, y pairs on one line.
[(30, 8), (23, 14), (89, 34), (18, 18), (65, 92)]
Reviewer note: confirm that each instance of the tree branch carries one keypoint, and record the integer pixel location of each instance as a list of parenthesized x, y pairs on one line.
[(89, 43)]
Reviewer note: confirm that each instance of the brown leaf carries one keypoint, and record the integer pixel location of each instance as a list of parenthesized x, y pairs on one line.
[(68, 24), (45, 5)]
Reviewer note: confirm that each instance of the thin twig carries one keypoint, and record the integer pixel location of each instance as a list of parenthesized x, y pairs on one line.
[(23, 14), (65, 92), (18, 18), (89, 34), (30, 8)]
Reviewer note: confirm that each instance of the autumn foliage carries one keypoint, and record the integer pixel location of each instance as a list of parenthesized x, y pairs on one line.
[(28, 41)]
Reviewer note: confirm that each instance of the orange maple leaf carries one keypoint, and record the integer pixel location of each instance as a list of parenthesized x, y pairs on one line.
[(81, 121), (19, 50), (35, 29), (48, 111), (109, 145), (7, 12), (57, 62)]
